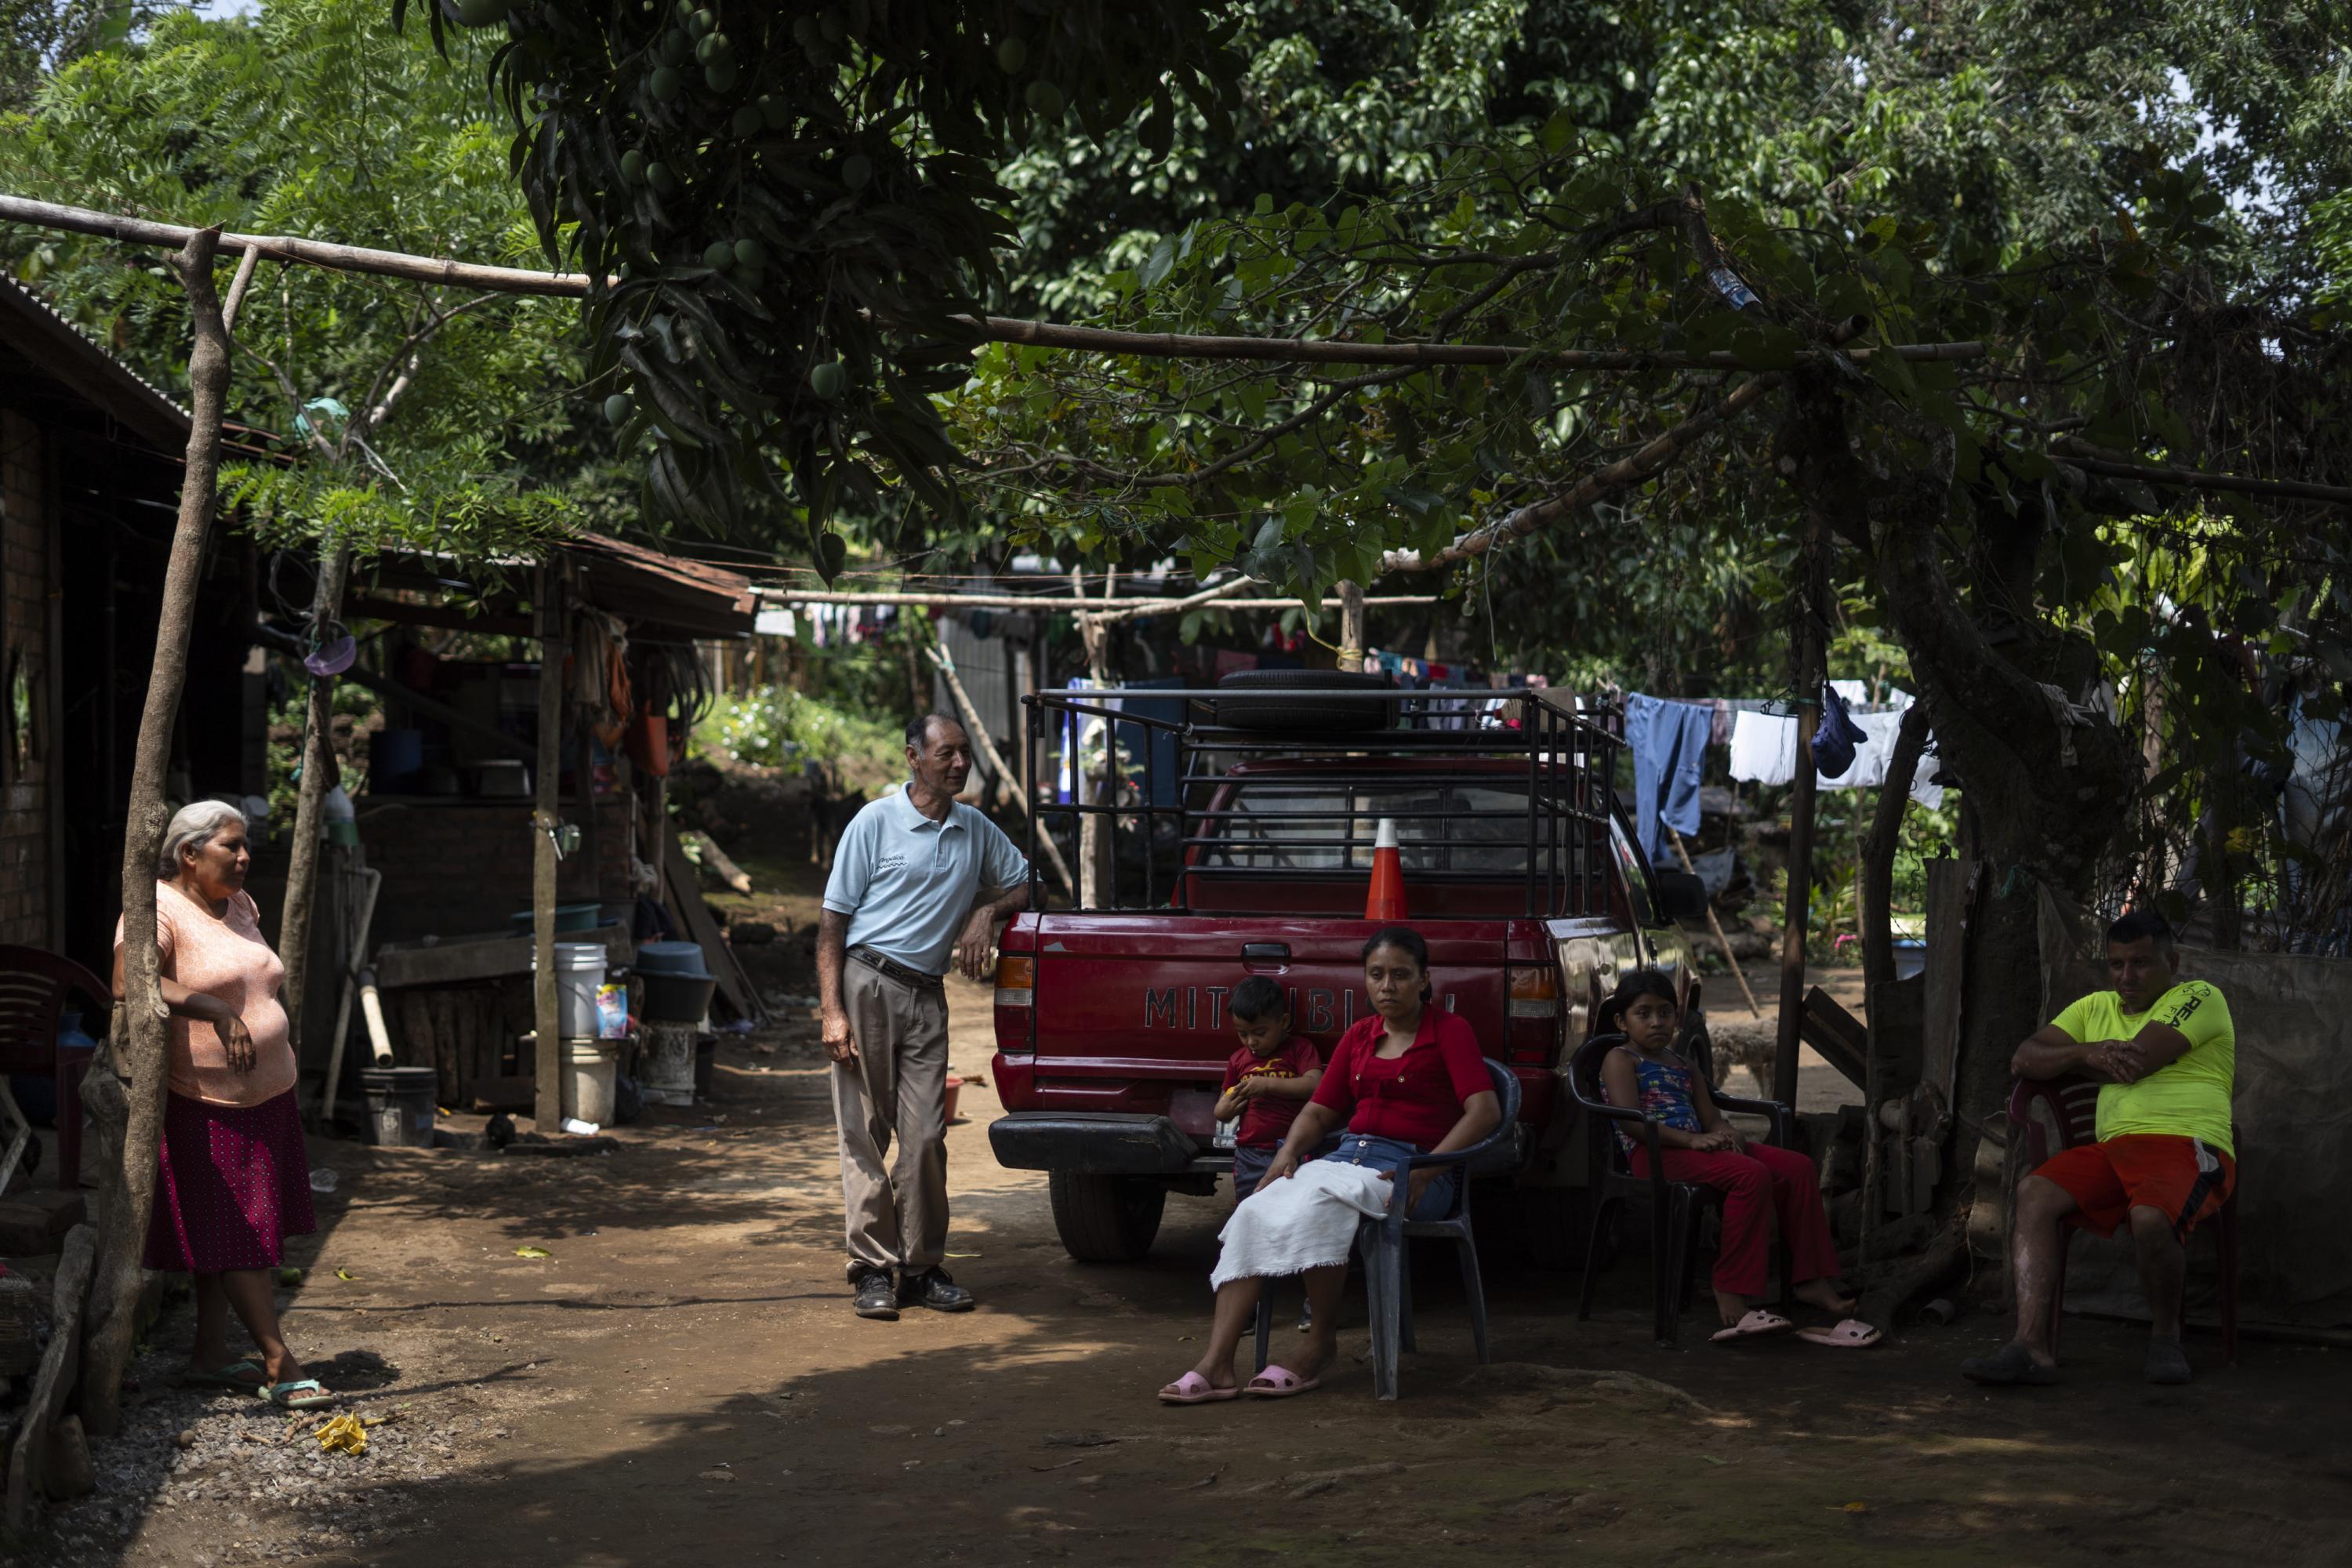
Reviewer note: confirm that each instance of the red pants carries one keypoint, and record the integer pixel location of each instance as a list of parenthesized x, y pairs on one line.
[(1765, 1175)]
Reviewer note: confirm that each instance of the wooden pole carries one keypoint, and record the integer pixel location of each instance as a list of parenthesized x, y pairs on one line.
[(138, 1053), (1351, 627), (303, 865), (1006, 785), (1129, 610), (1715, 926), (547, 1100), (1810, 657), (1094, 631)]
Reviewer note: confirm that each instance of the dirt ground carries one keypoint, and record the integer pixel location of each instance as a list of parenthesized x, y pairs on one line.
[(681, 1379)]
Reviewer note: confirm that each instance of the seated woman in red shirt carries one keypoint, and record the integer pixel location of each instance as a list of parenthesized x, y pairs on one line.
[(1408, 1080)]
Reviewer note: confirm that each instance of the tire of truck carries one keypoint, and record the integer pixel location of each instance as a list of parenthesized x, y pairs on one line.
[(1105, 1219), (1243, 711)]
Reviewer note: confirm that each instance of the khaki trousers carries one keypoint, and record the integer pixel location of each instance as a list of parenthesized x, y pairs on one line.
[(896, 1214)]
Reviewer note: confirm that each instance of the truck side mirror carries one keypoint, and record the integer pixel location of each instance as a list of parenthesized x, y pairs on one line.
[(1683, 896)]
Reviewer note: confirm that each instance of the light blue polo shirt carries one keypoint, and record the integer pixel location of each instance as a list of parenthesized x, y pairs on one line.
[(907, 883)]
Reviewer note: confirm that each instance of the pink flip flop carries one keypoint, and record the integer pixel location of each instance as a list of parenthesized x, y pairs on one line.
[(1853, 1334), (1280, 1383), (1754, 1325), (1193, 1389)]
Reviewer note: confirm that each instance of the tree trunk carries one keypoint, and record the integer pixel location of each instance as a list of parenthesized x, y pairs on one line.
[(140, 1047), (1878, 846), (2045, 789), (1810, 674), (547, 1100), (302, 866)]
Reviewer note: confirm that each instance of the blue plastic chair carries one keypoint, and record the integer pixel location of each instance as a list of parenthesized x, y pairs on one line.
[(1381, 1243)]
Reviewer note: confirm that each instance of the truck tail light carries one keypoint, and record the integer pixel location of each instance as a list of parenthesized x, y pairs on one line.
[(1533, 1015), (1016, 980)]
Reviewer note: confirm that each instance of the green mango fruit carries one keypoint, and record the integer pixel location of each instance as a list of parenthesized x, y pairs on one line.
[(632, 166), (1011, 57), (618, 407), (806, 32), (1044, 100), (659, 179), (856, 170), (751, 253), (713, 48), (832, 555), (703, 21), (719, 255), (833, 24), (721, 74), (776, 112), (748, 120), (665, 84), (828, 380), (674, 49)]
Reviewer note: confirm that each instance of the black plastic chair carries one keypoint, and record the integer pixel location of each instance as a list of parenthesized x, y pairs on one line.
[(1388, 1283), (1675, 1207)]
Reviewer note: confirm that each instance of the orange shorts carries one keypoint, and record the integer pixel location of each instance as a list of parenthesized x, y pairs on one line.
[(2185, 1178)]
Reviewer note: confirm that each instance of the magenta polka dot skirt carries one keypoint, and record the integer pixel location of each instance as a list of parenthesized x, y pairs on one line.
[(234, 1183)]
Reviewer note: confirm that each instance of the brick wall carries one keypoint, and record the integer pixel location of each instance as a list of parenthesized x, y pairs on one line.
[(463, 868), (24, 644)]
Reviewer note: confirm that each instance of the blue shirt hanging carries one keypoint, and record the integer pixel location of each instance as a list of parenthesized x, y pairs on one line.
[(1668, 741)]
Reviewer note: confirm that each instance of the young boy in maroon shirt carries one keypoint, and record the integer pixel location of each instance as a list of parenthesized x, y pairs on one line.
[(1268, 1079)]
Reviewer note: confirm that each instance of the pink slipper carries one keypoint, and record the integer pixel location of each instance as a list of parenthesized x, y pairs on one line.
[(1853, 1334), (1280, 1383), (1193, 1389), (1754, 1325)]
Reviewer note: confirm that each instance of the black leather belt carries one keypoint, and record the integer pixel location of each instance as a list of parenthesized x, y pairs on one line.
[(894, 969)]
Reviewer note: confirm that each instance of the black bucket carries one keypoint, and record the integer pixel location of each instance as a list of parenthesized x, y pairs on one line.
[(399, 1106), (677, 998)]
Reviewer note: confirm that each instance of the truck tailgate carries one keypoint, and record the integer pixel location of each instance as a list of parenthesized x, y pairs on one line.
[(1130, 1010)]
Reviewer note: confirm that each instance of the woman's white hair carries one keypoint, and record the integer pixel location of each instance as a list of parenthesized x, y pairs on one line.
[(193, 828)]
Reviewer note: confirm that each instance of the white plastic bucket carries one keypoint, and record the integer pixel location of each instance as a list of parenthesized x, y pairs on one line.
[(579, 974), (590, 1070), (666, 1063)]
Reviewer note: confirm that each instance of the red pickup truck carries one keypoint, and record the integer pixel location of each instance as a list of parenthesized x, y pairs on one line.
[(1253, 859)]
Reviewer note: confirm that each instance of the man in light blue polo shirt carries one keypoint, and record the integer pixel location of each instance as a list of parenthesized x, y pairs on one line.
[(917, 880)]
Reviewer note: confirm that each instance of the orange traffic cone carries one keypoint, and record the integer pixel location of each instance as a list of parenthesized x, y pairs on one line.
[(1386, 900)]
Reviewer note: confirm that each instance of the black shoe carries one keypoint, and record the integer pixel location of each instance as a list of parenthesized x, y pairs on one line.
[(876, 1297), (933, 1288), (2166, 1362)]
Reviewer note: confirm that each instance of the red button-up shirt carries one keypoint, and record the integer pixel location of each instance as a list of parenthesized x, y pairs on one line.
[(1415, 1098)]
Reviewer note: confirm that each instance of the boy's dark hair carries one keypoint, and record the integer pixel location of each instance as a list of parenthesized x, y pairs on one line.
[(2143, 925), (1257, 997), (1630, 985)]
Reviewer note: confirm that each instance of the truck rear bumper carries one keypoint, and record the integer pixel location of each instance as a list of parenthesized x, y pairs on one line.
[(1101, 1143)]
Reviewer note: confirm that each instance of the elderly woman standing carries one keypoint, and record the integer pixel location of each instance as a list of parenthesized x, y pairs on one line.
[(235, 1178)]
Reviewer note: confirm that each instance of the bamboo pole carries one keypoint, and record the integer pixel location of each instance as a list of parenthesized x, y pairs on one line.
[(1133, 609), (547, 1098), (992, 328), (1351, 627), (1715, 926), (1005, 785), (138, 1054)]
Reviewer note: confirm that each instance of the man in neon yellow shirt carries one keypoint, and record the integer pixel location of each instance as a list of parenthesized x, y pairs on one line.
[(2165, 1054)]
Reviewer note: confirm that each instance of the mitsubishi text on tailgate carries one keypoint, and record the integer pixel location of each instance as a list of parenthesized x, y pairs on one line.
[(1237, 840)]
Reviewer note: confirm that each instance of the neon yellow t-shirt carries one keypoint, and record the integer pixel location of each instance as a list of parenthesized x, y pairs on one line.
[(2188, 1098)]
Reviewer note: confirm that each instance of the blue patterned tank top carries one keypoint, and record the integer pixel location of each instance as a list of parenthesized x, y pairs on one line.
[(1667, 1096)]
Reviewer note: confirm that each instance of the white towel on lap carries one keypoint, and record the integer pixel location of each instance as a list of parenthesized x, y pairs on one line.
[(1306, 1222)]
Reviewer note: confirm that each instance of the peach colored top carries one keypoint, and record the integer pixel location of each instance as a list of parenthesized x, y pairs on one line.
[(223, 956)]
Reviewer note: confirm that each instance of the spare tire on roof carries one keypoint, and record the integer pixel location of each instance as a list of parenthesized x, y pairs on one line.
[(1288, 699)]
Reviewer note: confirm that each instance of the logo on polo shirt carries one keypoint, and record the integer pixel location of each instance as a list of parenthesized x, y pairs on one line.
[(891, 860)]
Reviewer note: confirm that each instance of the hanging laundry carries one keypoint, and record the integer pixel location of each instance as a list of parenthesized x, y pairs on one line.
[(1835, 737), (1668, 741), (1763, 747)]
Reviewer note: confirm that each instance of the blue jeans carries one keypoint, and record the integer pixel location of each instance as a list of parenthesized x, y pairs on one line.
[(1668, 741), (1250, 1162), (1389, 1154)]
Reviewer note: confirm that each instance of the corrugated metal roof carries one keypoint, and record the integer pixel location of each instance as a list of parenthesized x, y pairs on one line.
[(62, 352)]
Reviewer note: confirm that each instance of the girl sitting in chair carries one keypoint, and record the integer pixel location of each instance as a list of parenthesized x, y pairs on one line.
[(1698, 1144), (1409, 1080)]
